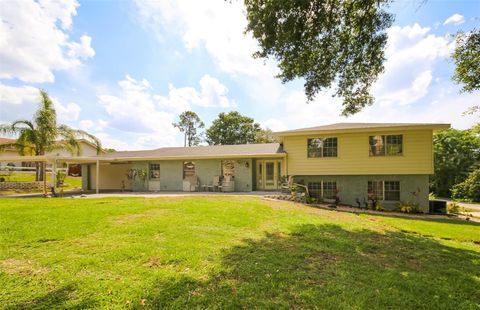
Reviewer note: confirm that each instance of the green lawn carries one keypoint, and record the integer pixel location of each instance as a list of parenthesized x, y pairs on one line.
[(229, 252)]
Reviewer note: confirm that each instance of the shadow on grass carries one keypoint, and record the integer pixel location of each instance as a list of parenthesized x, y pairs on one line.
[(326, 266), (56, 299)]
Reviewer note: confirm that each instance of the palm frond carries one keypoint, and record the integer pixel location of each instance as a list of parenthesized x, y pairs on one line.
[(46, 121), (91, 138), (22, 123), (69, 140)]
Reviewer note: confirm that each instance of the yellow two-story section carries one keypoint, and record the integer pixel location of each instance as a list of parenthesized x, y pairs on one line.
[(389, 160)]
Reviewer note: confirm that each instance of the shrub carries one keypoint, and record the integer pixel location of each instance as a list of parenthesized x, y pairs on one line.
[(454, 208), (408, 207), (61, 175), (379, 207), (469, 189)]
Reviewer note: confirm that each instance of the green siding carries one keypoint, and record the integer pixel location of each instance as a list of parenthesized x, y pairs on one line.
[(355, 186), (171, 175), (139, 185), (86, 177)]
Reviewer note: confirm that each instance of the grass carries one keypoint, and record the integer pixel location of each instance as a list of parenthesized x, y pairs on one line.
[(71, 183), (229, 252)]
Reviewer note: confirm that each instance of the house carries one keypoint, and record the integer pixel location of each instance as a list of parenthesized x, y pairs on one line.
[(388, 162), (357, 161), (86, 149)]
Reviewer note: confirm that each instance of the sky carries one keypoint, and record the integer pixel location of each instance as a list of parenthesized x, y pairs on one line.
[(125, 70)]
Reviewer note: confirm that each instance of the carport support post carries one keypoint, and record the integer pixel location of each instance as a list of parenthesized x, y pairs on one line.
[(54, 175), (98, 177), (44, 172)]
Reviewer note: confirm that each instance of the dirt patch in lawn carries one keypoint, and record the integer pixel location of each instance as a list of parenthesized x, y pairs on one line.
[(14, 266), (129, 218)]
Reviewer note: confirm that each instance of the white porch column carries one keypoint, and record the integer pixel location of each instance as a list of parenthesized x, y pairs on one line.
[(98, 177), (54, 175)]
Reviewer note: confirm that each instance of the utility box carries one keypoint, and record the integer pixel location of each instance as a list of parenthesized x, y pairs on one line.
[(437, 206)]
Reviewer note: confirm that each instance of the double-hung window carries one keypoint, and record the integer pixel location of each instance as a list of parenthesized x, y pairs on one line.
[(154, 171), (325, 189), (322, 147), (386, 145), (384, 190)]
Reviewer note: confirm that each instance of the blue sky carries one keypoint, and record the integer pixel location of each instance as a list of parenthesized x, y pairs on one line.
[(124, 70)]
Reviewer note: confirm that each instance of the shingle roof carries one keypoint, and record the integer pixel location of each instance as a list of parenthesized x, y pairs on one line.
[(254, 150), (347, 126), (6, 140)]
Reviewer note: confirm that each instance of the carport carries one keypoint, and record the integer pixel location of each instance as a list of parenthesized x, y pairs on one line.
[(54, 162)]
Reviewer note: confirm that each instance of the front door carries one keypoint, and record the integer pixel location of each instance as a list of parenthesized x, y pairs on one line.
[(267, 174)]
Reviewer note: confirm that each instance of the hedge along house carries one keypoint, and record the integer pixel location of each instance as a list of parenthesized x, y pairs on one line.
[(360, 161), (247, 167)]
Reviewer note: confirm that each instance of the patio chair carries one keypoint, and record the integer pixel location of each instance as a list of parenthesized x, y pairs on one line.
[(228, 185), (215, 185)]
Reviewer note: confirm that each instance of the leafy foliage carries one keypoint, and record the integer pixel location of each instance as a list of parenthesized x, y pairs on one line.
[(467, 60), (43, 134), (456, 152), (408, 207), (189, 123), (468, 189), (265, 136), (454, 208), (325, 43), (232, 128)]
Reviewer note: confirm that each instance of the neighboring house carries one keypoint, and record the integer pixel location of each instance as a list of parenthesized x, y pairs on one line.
[(355, 161), (86, 149), (8, 152)]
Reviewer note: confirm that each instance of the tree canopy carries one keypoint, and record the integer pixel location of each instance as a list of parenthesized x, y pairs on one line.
[(467, 60), (327, 43), (457, 153), (189, 123), (265, 136), (232, 128)]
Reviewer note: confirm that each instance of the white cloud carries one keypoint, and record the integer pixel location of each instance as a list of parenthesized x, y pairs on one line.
[(412, 54), (82, 49), (218, 26), (22, 102), (17, 95), (86, 124), (212, 94), (455, 19), (138, 111), (68, 112), (273, 124), (34, 40)]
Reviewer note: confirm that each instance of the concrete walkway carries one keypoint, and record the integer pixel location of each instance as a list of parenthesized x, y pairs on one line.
[(170, 194)]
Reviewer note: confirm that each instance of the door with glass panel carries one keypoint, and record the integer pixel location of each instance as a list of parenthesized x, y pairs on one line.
[(267, 174)]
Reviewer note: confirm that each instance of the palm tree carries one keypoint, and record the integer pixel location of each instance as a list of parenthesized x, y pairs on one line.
[(43, 134)]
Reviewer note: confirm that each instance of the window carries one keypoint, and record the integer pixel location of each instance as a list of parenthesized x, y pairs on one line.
[(188, 169), (329, 189), (315, 189), (392, 190), (375, 190), (384, 190), (228, 168), (322, 147), (154, 171), (386, 145)]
